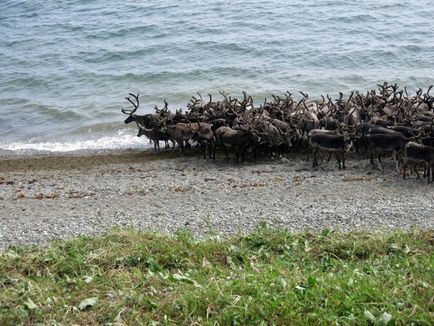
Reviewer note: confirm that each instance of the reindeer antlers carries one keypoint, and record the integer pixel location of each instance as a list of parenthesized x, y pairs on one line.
[(136, 105), (305, 95)]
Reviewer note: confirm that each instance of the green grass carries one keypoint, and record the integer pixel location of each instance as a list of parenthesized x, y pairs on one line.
[(267, 277)]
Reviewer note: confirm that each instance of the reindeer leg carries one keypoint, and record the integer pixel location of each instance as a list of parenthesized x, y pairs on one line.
[(314, 159), (243, 150), (320, 156), (343, 160), (338, 158), (226, 151), (432, 172), (398, 170), (400, 166), (379, 162), (181, 146), (206, 149), (203, 149), (404, 168), (397, 160), (416, 171), (412, 168), (318, 152)]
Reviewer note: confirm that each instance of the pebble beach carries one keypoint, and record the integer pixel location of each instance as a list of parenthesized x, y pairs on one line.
[(48, 197)]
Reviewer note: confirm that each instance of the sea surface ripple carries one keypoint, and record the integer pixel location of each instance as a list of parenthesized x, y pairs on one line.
[(66, 66)]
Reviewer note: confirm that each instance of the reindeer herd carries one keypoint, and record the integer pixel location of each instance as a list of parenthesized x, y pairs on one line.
[(385, 121)]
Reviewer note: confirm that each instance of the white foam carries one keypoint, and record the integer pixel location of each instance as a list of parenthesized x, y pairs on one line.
[(120, 141)]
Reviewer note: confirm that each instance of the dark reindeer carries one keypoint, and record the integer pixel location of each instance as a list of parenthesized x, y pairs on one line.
[(143, 120), (414, 154), (334, 144)]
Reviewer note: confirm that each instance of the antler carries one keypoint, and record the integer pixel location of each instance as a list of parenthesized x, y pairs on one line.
[(201, 99), (136, 105), (429, 88), (351, 96), (331, 101), (305, 95)]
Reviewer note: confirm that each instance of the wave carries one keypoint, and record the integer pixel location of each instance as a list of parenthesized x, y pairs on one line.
[(121, 140), (122, 32), (363, 18), (108, 56)]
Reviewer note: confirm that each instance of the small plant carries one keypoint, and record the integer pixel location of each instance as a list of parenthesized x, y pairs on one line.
[(269, 276)]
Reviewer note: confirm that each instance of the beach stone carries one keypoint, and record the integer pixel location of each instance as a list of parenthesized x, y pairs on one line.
[(208, 197)]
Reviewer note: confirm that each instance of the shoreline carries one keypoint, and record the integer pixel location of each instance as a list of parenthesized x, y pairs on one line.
[(47, 197), (76, 159)]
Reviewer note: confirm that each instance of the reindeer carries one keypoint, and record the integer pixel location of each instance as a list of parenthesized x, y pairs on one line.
[(240, 139), (205, 137), (144, 120), (380, 144), (415, 153), (271, 136), (337, 144), (181, 132), (156, 135)]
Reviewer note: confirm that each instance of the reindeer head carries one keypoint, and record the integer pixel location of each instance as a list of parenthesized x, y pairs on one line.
[(132, 111)]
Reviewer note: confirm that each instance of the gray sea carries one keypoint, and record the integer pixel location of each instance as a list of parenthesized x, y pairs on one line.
[(66, 66)]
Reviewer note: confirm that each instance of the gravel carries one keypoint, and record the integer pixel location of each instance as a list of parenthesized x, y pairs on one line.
[(59, 197)]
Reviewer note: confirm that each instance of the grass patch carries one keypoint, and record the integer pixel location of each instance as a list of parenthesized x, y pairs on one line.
[(270, 276)]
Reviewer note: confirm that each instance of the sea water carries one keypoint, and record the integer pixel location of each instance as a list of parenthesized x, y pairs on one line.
[(66, 66)]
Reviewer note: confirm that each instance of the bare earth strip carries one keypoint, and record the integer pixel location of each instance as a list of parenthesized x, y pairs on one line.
[(52, 197)]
